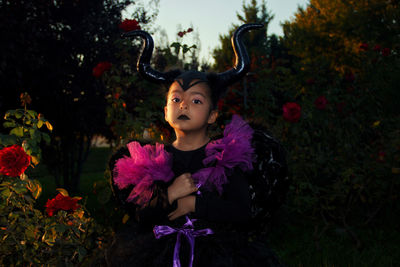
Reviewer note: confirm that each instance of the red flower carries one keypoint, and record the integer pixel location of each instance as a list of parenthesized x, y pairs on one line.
[(129, 25), (291, 112), (189, 30), (321, 102), (13, 160), (385, 52), (101, 68), (181, 34), (364, 46), (61, 202), (377, 48)]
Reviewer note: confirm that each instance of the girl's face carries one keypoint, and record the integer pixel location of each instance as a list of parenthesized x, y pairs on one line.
[(189, 110)]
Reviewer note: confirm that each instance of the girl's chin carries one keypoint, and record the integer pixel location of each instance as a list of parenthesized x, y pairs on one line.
[(188, 128)]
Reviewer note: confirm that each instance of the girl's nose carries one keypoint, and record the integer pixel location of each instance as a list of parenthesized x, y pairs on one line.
[(183, 105)]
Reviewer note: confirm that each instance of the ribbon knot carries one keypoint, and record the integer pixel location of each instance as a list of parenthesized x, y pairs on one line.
[(188, 231)]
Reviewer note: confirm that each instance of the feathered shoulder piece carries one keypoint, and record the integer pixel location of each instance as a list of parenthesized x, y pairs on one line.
[(242, 146), (232, 150), (144, 165)]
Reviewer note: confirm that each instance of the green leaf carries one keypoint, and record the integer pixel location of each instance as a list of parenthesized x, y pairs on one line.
[(30, 232), (7, 140), (18, 131), (60, 228), (19, 114), (9, 113), (35, 187), (32, 113), (49, 237), (5, 193), (9, 124), (35, 135), (176, 46), (62, 192), (46, 138), (40, 124), (20, 189), (185, 48)]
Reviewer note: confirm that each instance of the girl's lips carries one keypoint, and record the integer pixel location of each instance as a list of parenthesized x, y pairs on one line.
[(183, 117)]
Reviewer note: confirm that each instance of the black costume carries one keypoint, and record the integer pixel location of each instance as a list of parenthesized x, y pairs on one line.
[(229, 216), (236, 217)]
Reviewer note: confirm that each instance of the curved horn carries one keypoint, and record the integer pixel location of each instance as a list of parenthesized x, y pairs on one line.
[(242, 64), (143, 64)]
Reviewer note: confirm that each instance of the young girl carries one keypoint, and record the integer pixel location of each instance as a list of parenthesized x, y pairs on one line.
[(195, 201)]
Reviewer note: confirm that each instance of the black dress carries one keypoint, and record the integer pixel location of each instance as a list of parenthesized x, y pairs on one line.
[(228, 215)]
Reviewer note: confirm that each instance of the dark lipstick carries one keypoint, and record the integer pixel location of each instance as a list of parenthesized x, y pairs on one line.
[(183, 117)]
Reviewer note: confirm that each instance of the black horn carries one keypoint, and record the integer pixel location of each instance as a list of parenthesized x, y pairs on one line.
[(143, 64), (242, 64)]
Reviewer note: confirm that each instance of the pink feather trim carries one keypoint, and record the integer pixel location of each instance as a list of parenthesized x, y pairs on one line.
[(233, 150), (144, 166)]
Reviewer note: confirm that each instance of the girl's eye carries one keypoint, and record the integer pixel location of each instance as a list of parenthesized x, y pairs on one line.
[(175, 99), (197, 101)]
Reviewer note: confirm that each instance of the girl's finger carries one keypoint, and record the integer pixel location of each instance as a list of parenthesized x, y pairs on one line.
[(173, 216), (170, 217)]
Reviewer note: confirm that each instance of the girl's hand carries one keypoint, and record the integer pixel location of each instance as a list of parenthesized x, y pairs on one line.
[(185, 205), (181, 187)]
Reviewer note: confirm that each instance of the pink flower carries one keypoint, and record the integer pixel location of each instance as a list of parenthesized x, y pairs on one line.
[(321, 102), (100, 68), (291, 112), (129, 25)]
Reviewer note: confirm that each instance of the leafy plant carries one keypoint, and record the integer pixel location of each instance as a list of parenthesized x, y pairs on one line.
[(64, 235)]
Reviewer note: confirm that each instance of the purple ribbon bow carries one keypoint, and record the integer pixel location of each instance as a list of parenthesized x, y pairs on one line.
[(188, 231)]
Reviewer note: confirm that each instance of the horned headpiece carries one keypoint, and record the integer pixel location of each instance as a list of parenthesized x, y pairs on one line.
[(216, 81)]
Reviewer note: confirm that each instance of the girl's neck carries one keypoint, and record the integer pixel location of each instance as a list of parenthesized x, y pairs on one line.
[(190, 141)]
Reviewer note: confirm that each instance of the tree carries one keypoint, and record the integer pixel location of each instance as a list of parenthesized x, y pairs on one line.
[(264, 86), (346, 71), (50, 52), (256, 41)]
